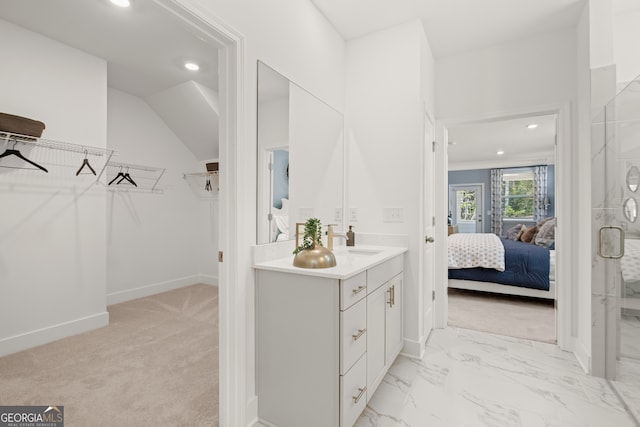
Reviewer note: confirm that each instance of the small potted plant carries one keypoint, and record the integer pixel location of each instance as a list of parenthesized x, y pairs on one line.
[(310, 253)]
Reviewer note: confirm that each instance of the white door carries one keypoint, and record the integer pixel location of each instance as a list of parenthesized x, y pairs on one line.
[(428, 262), (465, 207)]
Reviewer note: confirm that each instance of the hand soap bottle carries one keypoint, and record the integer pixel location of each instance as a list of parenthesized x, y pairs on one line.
[(351, 237)]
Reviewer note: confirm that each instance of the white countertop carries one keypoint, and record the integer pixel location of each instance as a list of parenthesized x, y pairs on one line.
[(350, 261)]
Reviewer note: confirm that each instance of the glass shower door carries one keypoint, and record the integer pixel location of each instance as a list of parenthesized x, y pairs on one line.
[(619, 240)]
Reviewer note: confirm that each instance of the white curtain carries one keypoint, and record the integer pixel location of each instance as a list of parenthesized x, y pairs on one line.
[(539, 192), (496, 201)]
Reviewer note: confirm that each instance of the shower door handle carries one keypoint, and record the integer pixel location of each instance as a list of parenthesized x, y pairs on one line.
[(621, 241)]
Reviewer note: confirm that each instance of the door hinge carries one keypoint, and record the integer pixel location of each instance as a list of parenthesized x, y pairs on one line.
[(270, 216), (433, 295), (433, 146), (433, 221), (270, 166), (220, 256)]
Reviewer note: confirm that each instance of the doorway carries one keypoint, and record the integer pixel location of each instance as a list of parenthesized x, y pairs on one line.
[(466, 207), (481, 156)]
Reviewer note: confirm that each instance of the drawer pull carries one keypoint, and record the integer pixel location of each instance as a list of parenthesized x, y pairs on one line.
[(359, 289), (359, 334), (357, 398)]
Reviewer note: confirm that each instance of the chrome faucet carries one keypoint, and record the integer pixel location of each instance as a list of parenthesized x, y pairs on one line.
[(331, 235)]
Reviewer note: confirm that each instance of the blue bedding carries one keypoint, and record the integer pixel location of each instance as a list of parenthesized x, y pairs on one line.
[(526, 265)]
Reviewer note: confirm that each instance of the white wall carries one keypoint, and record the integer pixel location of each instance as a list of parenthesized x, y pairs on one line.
[(52, 238), (532, 72), (626, 52), (156, 242), (388, 74), (293, 37)]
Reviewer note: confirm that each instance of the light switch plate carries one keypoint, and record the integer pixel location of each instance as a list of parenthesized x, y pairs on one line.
[(353, 214), (393, 215), (337, 214), (305, 213)]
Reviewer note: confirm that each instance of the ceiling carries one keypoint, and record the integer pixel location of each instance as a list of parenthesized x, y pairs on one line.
[(454, 26), (145, 48), (521, 146)]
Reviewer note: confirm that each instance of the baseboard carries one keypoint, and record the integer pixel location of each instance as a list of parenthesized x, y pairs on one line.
[(252, 411), (156, 288), (205, 279), (413, 349), (52, 333), (582, 356)]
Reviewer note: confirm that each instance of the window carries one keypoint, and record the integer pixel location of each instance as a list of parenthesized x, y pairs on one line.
[(517, 194)]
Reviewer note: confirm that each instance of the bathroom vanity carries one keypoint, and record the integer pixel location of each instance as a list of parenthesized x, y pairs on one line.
[(325, 338)]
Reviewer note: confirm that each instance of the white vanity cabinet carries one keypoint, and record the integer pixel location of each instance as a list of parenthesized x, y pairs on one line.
[(319, 340)]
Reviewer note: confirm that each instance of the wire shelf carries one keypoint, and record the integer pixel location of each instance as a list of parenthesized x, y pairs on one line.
[(61, 162), (137, 178), (205, 185)]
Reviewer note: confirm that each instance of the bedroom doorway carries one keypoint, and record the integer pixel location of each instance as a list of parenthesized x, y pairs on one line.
[(478, 152), (466, 207)]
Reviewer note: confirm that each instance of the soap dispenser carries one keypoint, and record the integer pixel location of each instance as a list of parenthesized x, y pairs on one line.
[(351, 237)]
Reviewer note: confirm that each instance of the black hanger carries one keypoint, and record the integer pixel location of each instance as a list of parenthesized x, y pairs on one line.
[(85, 162), (120, 175), (127, 177), (207, 186), (13, 152)]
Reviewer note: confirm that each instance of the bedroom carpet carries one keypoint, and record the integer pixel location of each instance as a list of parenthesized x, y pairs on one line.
[(514, 316), (155, 364)]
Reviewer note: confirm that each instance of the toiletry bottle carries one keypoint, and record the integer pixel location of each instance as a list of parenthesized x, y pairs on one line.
[(351, 237)]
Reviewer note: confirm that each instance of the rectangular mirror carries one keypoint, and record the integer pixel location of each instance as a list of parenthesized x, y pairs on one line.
[(300, 167)]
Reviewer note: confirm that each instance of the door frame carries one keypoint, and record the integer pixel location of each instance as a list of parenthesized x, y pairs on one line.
[(481, 185), (425, 271), (566, 267), (232, 144)]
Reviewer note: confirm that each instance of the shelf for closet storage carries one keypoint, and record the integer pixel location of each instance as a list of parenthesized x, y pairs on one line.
[(61, 159), (198, 183), (146, 177)]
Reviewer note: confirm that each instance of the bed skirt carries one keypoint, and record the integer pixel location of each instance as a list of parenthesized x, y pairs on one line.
[(499, 288)]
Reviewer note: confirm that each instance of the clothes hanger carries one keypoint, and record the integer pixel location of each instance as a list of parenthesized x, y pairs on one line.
[(127, 177), (120, 175), (85, 162), (13, 152), (207, 186)]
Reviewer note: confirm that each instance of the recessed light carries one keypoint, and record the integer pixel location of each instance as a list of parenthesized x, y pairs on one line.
[(121, 3), (500, 152), (532, 126), (192, 66)]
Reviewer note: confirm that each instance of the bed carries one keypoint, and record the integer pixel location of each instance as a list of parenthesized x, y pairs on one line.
[(486, 262)]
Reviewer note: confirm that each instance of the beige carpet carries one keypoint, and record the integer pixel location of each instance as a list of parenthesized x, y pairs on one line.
[(514, 316), (155, 364)]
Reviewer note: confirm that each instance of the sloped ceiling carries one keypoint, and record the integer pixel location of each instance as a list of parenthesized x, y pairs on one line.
[(191, 111)]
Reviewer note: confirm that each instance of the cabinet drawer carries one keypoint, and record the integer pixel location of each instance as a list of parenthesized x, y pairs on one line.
[(353, 290), (353, 334), (353, 393), (378, 275)]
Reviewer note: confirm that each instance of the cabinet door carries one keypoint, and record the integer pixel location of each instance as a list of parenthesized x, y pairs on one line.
[(376, 348), (393, 318)]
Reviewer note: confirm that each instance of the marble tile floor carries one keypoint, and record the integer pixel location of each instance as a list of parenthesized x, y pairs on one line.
[(473, 379), (627, 384)]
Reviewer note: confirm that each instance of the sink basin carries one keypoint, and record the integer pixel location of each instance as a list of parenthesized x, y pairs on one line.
[(358, 252)]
